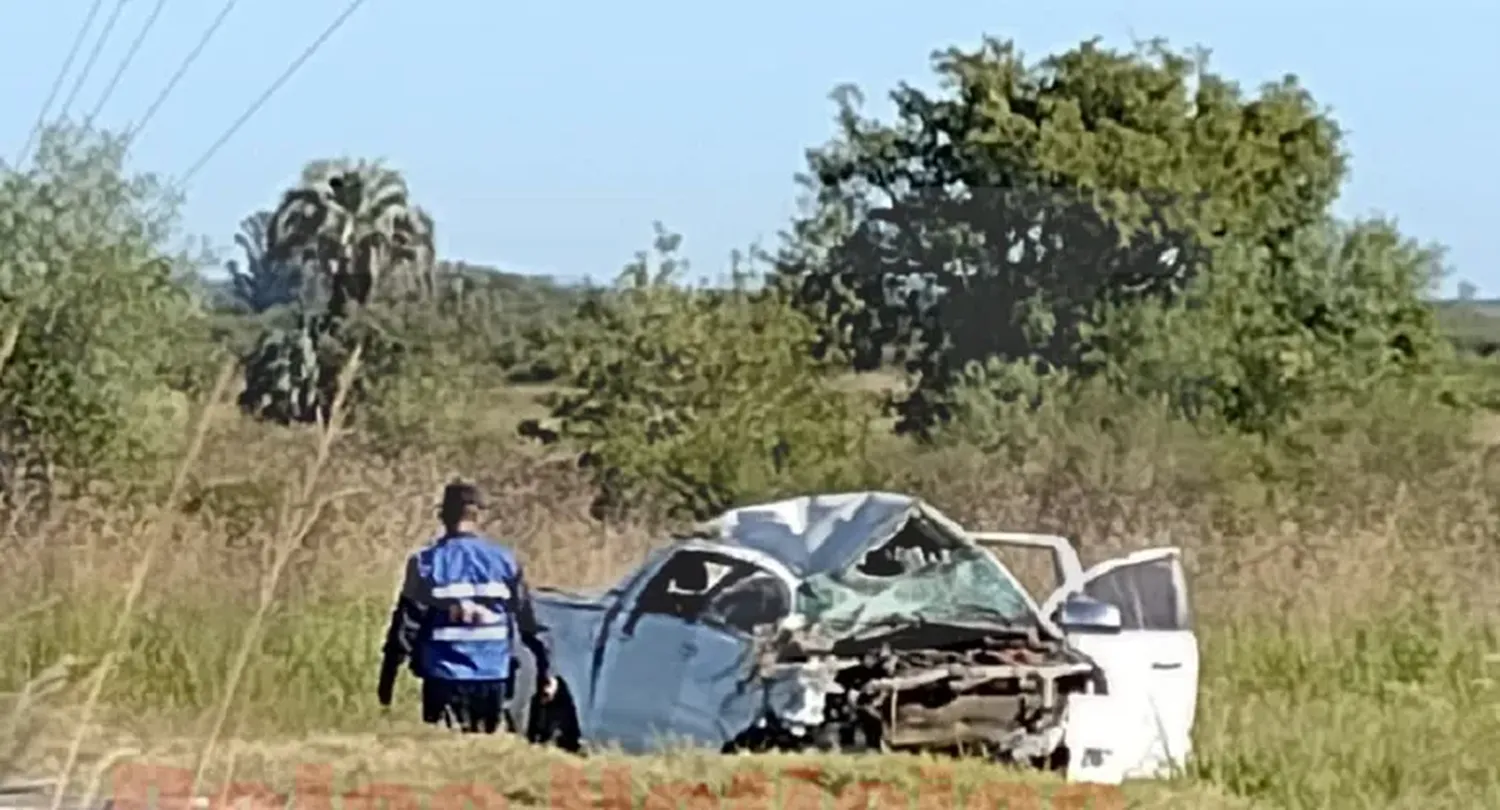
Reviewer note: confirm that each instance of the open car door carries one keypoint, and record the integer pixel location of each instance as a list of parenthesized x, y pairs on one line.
[(1151, 665)]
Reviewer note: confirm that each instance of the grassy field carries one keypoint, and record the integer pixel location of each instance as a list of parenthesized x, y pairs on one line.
[(1349, 648)]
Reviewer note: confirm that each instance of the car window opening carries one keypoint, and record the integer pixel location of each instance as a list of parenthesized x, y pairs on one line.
[(917, 545)]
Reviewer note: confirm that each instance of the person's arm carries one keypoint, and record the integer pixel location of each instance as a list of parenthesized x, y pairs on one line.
[(533, 632), (405, 628)]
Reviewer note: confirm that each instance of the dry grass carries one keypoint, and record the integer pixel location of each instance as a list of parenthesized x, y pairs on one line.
[(1348, 640)]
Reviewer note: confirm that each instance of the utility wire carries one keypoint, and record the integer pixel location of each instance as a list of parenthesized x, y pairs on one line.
[(270, 91), (135, 48), (41, 117), (182, 70), (88, 66)]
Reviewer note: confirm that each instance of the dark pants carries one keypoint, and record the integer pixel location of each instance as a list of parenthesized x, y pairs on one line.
[(471, 706)]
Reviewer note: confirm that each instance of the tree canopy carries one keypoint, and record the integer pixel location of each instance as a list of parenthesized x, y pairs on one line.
[(1023, 211), (102, 331)]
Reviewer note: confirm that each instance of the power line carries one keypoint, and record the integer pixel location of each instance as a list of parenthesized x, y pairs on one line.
[(270, 91), (88, 66), (135, 48), (182, 70), (41, 117)]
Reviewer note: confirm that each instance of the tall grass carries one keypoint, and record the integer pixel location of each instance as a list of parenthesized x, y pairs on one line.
[(1347, 632)]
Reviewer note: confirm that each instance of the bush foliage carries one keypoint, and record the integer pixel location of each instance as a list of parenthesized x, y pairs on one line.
[(102, 332), (702, 395)]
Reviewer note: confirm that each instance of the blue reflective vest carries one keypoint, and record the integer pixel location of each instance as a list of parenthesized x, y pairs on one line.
[(467, 583)]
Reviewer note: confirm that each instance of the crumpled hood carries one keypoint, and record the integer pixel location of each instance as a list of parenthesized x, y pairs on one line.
[(815, 534)]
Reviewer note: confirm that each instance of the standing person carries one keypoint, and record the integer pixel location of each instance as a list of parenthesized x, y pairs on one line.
[(463, 601)]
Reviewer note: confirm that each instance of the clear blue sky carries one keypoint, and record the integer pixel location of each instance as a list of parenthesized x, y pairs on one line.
[(546, 137)]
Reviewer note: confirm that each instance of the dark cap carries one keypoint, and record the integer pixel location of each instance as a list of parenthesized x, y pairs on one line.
[(458, 496)]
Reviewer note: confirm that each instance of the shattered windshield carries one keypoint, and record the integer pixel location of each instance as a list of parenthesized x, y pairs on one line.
[(964, 585)]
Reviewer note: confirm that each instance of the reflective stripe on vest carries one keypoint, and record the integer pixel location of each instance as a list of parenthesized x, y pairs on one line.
[(469, 590), (494, 633)]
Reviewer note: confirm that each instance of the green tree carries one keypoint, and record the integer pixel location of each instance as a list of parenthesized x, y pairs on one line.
[(698, 396), (354, 226), (1007, 214), (1332, 314), (260, 284), (97, 312)]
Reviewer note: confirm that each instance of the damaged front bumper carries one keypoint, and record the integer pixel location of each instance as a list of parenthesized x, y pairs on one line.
[(1005, 695)]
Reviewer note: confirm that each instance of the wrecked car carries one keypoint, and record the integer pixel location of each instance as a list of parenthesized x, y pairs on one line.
[(870, 621)]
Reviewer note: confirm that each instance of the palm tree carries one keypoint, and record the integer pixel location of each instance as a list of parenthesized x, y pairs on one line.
[(353, 227), (261, 284), (355, 222)]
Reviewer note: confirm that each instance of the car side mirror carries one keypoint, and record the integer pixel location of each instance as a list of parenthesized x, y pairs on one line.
[(1084, 614)]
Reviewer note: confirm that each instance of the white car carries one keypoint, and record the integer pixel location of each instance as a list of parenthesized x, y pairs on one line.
[(1143, 727), (871, 621)]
